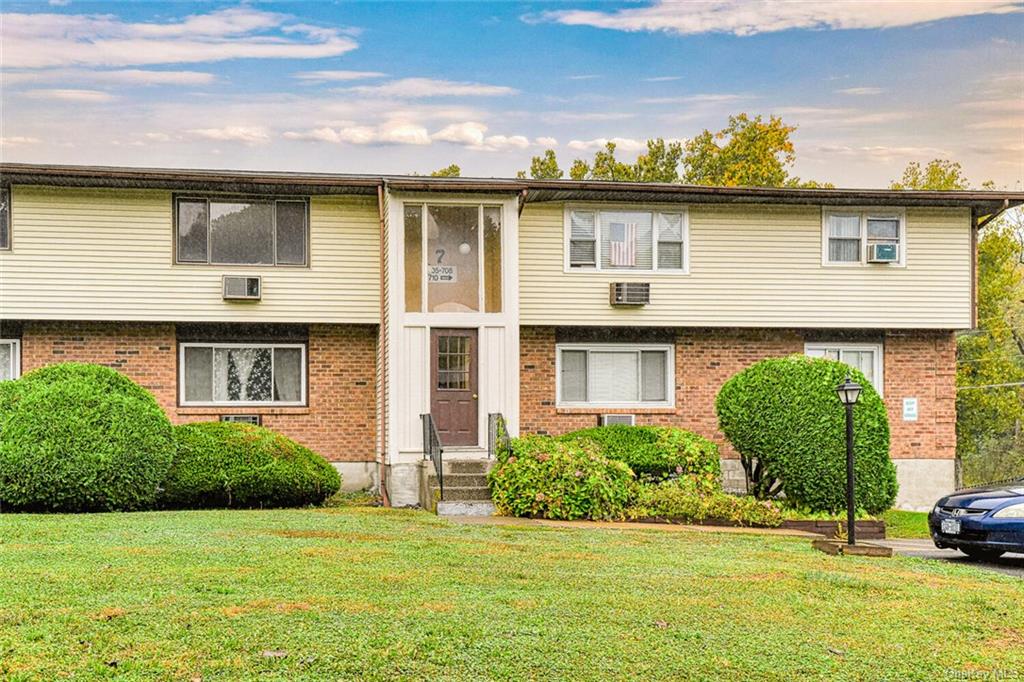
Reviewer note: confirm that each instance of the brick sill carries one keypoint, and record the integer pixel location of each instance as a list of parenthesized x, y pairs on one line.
[(616, 410), (213, 411)]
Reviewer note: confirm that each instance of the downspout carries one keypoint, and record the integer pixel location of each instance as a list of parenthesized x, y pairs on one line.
[(382, 340), (522, 201)]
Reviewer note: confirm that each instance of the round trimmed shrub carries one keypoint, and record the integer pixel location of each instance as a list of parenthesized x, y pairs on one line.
[(543, 477), (221, 464), (783, 417), (654, 451), (78, 438)]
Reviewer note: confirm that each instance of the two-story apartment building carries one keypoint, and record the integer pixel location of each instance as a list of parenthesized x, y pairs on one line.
[(338, 309)]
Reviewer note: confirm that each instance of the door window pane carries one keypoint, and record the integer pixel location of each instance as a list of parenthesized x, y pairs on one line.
[(413, 258), (453, 360), (192, 231), (241, 233), (492, 259), (453, 259), (291, 232), (574, 376), (613, 377)]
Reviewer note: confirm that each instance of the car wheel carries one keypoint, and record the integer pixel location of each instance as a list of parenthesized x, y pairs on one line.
[(978, 554)]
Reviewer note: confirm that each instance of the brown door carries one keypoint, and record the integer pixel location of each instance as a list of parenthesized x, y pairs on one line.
[(453, 397)]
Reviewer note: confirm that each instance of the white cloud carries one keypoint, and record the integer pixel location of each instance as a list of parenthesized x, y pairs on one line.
[(116, 77), (55, 40), (860, 92), (393, 132), (884, 153), (576, 116), (245, 134), (623, 144), (414, 88), (71, 95), (584, 77), (157, 137), (58, 3), (546, 142), (1005, 104), (474, 135), (748, 17), (662, 79), (322, 76), (18, 141), (1003, 123)]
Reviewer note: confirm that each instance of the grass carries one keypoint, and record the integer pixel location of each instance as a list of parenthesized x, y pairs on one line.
[(906, 524), (380, 594)]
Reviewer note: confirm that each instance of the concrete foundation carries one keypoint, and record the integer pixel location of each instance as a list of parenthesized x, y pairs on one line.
[(923, 482), (357, 475)]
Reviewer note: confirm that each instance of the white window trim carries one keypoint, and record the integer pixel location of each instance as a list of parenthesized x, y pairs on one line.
[(878, 348), (864, 214), (240, 403), (670, 374), (15, 356), (653, 209)]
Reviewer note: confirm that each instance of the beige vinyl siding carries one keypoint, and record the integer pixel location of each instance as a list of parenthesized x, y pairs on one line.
[(98, 254), (759, 266)]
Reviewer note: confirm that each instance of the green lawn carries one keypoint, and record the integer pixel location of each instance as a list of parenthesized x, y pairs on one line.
[(366, 593), (906, 524)]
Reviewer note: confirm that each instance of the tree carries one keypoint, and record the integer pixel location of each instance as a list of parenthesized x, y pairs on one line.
[(451, 171), (748, 152), (543, 167), (660, 163), (938, 174)]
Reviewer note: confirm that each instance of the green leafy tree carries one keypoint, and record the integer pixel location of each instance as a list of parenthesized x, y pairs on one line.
[(544, 167), (451, 171), (748, 152), (660, 163), (938, 174)]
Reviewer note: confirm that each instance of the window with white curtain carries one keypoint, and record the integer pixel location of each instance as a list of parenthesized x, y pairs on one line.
[(644, 241), (10, 359), (615, 375), (867, 357), (243, 374), (847, 234)]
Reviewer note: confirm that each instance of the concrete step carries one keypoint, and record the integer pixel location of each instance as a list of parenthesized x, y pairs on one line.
[(451, 508), (467, 466), (459, 480), (473, 493)]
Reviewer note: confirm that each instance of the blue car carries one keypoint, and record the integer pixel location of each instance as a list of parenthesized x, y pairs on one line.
[(983, 523)]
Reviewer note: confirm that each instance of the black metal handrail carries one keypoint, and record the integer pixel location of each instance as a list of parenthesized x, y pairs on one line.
[(497, 434), (432, 449)]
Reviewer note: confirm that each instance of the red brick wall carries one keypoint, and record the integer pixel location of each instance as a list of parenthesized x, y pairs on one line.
[(339, 422), (920, 364)]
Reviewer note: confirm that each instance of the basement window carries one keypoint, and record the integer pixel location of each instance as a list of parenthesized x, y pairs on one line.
[(224, 231), (243, 374)]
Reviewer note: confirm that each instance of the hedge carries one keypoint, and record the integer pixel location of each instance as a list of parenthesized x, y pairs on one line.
[(783, 417), (80, 437), (687, 499), (220, 464), (654, 451), (544, 477)]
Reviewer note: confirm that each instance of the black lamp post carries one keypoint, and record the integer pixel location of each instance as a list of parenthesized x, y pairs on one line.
[(849, 393)]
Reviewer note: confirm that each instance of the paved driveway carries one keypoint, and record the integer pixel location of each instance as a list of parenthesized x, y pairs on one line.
[(1010, 564)]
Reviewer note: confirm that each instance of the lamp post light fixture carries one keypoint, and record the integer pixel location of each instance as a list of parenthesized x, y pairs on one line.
[(849, 394)]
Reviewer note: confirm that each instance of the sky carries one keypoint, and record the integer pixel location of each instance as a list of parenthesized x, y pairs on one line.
[(408, 87)]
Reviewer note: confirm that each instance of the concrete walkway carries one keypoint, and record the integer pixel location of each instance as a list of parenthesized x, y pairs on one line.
[(1009, 564), (623, 525)]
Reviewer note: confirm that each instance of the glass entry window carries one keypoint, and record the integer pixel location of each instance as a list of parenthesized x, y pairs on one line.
[(452, 258)]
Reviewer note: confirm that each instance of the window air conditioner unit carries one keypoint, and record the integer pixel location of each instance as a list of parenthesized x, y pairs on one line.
[(630, 293), (242, 288), (253, 419), (617, 419), (883, 253)]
